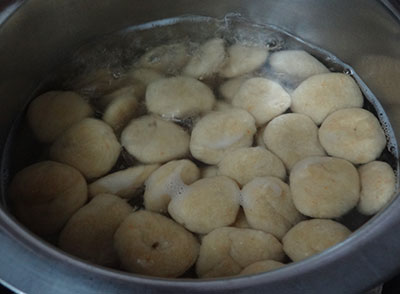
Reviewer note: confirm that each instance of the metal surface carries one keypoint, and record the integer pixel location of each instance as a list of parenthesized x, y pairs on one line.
[(40, 33)]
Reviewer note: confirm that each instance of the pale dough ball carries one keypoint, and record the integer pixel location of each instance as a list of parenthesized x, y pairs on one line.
[(353, 134), (148, 243), (46, 194), (53, 112), (89, 232), (324, 187), (378, 184), (154, 140), (220, 132), (90, 146), (229, 89), (312, 237), (133, 91), (206, 60), (120, 111), (179, 97), (222, 105), (156, 195), (227, 251), (145, 75), (261, 267), (264, 99), (168, 58), (293, 137), (268, 205), (241, 220), (296, 65), (206, 204), (123, 183), (209, 171), (245, 164), (243, 59), (322, 94)]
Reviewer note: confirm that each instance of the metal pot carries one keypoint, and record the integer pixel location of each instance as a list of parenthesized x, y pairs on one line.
[(35, 37)]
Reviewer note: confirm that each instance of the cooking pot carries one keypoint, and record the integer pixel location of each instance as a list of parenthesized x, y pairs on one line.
[(36, 36)]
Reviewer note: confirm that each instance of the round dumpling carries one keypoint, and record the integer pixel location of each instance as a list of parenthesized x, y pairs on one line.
[(268, 206), (263, 98), (206, 204), (261, 267), (153, 140), (179, 97), (156, 195), (243, 59), (46, 194), (245, 164), (324, 187), (220, 132), (322, 94), (148, 243), (378, 184), (229, 89), (169, 58), (293, 136), (353, 134), (120, 111), (206, 60), (295, 65), (227, 251), (313, 236), (209, 171), (90, 146), (145, 75), (89, 232), (123, 183), (53, 112)]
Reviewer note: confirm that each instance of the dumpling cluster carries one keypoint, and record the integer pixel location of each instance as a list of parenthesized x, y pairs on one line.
[(234, 176)]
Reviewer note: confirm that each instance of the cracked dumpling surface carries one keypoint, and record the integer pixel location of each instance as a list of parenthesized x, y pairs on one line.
[(324, 187), (245, 164), (124, 182), (220, 132), (293, 137), (378, 184), (296, 65), (168, 58), (53, 112), (320, 95), (151, 139), (151, 244), (261, 267), (206, 60), (227, 251), (353, 134), (206, 204), (89, 232), (158, 185), (262, 98), (179, 97), (268, 206), (243, 59), (313, 236), (90, 146), (46, 194)]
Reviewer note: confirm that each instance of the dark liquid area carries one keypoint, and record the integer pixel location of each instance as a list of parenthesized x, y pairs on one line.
[(118, 52)]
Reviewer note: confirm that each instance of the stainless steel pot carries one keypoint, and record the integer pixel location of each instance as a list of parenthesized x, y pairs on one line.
[(36, 35)]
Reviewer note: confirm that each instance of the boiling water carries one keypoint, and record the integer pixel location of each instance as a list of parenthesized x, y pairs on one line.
[(118, 52)]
